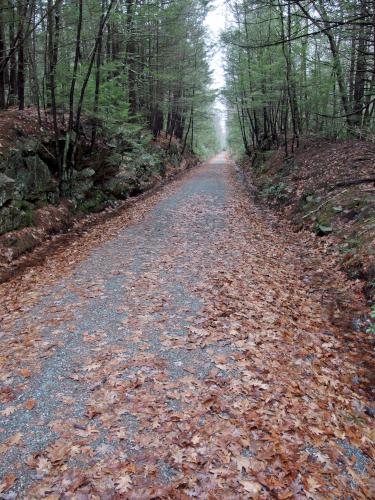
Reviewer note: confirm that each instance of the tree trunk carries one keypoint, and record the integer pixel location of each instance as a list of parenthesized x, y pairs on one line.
[(22, 8), (360, 74), (130, 54), (97, 78), (12, 95), (68, 150), (52, 28), (3, 68)]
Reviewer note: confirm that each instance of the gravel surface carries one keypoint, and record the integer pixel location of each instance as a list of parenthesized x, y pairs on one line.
[(131, 255)]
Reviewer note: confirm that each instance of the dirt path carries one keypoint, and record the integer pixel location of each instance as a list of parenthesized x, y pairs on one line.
[(188, 353)]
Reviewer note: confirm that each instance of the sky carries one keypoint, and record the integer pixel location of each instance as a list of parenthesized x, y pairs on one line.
[(215, 23)]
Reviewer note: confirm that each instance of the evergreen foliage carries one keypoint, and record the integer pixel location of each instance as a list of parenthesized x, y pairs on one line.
[(299, 67), (119, 64)]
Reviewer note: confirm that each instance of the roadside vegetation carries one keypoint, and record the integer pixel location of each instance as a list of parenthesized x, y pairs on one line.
[(300, 86)]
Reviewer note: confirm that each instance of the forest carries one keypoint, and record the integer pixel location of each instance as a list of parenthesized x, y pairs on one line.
[(300, 67), (94, 68), (300, 91)]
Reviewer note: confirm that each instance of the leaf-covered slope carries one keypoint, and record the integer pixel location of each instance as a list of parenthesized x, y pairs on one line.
[(328, 188)]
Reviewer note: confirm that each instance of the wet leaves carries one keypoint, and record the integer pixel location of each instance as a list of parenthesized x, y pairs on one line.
[(207, 372)]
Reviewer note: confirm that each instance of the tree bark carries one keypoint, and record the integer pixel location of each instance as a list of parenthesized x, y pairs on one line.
[(12, 94), (2, 56), (22, 9), (97, 78), (130, 54)]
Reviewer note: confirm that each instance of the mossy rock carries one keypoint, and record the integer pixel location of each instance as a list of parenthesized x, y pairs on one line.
[(309, 200), (275, 192), (322, 230), (16, 217), (20, 242), (324, 220), (326, 216), (8, 189), (32, 176)]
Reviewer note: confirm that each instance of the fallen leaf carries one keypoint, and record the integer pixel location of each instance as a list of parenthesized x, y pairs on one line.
[(43, 465), (15, 439), (242, 463), (8, 411), (123, 483), (8, 482), (252, 487), (30, 404)]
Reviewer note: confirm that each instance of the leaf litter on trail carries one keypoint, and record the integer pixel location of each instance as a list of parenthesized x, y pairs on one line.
[(222, 377)]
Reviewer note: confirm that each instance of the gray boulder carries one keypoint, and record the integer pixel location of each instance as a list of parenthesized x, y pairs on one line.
[(32, 176), (86, 173), (14, 217), (8, 189)]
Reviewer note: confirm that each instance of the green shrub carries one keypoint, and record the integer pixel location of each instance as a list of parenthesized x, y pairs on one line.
[(275, 191)]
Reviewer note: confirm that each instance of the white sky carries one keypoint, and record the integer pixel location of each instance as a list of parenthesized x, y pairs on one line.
[(215, 23)]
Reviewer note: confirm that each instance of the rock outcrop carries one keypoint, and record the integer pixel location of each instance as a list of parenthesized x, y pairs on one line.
[(31, 207), (8, 189)]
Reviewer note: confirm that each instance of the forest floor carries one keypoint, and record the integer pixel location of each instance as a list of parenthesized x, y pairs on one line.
[(194, 346), (328, 188)]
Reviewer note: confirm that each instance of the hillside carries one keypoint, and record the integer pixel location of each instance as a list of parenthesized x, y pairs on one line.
[(328, 189), (31, 205)]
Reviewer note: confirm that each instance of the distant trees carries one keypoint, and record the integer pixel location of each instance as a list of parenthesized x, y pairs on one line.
[(296, 67), (112, 61)]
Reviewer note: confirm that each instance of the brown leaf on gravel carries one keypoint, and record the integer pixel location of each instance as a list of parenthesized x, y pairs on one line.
[(8, 411), (25, 372), (30, 404), (6, 395), (58, 452), (207, 368), (12, 441), (43, 466), (7, 482), (15, 439)]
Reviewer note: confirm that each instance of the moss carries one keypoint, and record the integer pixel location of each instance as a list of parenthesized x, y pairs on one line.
[(326, 215), (173, 155), (20, 243), (356, 204), (289, 165), (268, 154), (258, 164), (23, 205), (262, 168), (27, 210), (351, 245), (94, 203), (309, 201)]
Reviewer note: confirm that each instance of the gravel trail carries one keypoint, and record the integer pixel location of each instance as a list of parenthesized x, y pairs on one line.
[(188, 355)]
